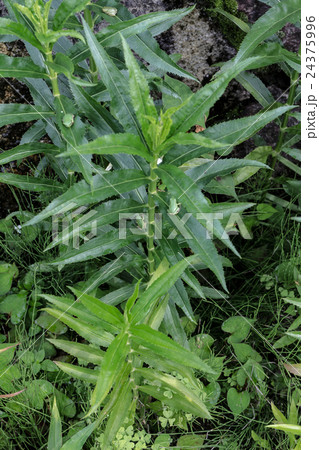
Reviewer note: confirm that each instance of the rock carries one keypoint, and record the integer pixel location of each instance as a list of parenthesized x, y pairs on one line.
[(193, 37)]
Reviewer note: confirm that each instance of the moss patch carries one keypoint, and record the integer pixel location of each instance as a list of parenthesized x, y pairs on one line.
[(233, 34)]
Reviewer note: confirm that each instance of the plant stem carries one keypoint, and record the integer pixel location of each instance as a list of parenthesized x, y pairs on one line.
[(89, 20), (53, 75), (151, 217)]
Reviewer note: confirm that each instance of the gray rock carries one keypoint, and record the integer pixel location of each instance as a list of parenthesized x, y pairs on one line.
[(193, 37)]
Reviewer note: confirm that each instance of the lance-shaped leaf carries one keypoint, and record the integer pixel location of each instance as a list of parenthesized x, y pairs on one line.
[(16, 112), (139, 90), (171, 250), (78, 440), (112, 144), (179, 296), (30, 183), (190, 139), (55, 433), (81, 373), (20, 68), (82, 351), (238, 22), (66, 304), (99, 116), (256, 88), (196, 237), (89, 332), (268, 24), (286, 11), (287, 428), (183, 398), (111, 35), (110, 368), (145, 45), (66, 9), (102, 245), (7, 26), (165, 347), (138, 25), (105, 312), (116, 84), (219, 167), (25, 150), (104, 214), (189, 194), (275, 51), (120, 411), (160, 287), (232, 132), (111, 269), (118, 296), (192, 110), (104, 185), (172, 325)]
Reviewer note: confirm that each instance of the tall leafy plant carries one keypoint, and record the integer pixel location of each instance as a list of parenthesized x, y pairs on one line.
[(102, 115)]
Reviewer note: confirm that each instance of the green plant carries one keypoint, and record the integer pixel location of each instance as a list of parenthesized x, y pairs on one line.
[(115, 150), (232, 22), (132, 339), (289, 425)]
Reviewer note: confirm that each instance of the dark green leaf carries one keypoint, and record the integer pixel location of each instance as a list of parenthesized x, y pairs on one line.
[(16, 112), (190, 113), (104, 185), (268, 24), (116, 83), (232, 132), (30, 183), (102, 245), (66, 9), (104, 214), (25, 150), (20, 68)]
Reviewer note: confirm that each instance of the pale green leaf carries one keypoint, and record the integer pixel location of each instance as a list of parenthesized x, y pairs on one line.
[(80, 373), (111, 144), (139, 90), (110, 368), (66, 9), (55, 433), (160, 287), (82, 351)]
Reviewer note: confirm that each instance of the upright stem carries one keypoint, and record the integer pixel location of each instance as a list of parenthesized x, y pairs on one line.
[(53, 75), (151, 217), (89, 20)]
